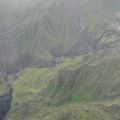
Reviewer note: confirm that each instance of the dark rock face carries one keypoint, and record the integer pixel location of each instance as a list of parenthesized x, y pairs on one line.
[(5, 103)]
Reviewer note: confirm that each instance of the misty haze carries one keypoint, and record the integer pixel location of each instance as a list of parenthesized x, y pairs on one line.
[(59, 59)]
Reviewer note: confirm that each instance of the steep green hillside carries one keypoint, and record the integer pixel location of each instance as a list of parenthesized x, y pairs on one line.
[(3, 88), (32, 111), (97, 78), (33, 80), (83, 90), (28, 86), (65, 57)]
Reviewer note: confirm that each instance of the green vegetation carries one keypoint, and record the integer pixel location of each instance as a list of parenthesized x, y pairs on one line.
[(44, 93), (3, 88), (31, 82), (65, 56)]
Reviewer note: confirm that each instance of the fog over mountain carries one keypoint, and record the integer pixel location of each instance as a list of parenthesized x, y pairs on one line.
[(61, 56)]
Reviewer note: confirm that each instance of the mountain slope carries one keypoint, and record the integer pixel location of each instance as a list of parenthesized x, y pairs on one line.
[(49, 29), (86, 90), (96, 78), (64, 56)]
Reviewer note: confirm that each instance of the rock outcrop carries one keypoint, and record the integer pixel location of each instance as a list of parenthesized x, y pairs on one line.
[(5, 103)]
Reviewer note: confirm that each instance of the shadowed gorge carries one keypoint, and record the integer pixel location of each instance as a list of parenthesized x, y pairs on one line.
[(5, 103)]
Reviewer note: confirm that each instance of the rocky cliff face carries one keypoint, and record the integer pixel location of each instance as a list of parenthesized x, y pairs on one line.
[(5, 103)]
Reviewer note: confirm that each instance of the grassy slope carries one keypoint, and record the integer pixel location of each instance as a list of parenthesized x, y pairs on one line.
[(28, 87), (33, 80), (43, 35), (28, 103), (97, 78)]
